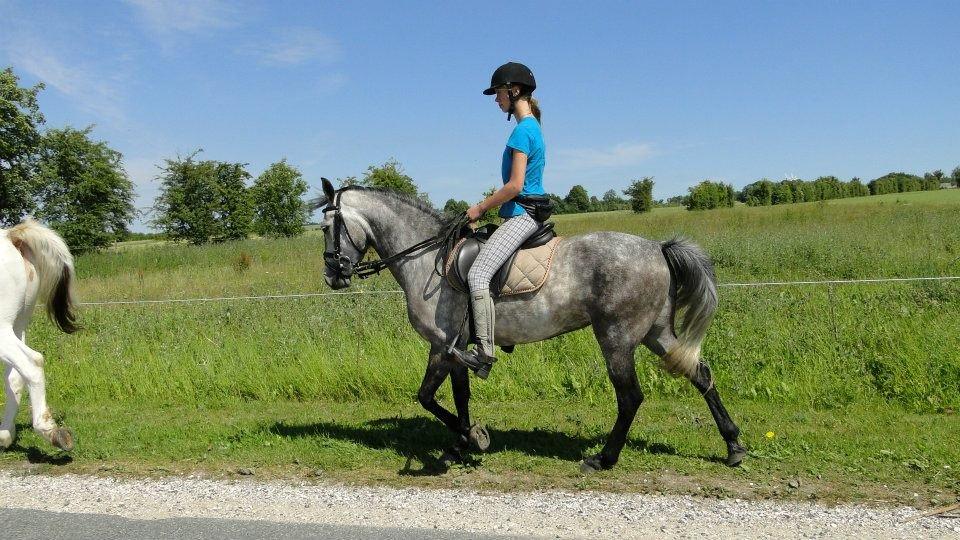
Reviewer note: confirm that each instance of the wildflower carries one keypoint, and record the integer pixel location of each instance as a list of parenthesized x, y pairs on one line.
[(771, 434)]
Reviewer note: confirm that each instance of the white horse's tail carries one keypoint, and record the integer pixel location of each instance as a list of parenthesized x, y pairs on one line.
[(54, 265)]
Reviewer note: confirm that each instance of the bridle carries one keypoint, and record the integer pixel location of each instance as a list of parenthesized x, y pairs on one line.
[(345, 268)]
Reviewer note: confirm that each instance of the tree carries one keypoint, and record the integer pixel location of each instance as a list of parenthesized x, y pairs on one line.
[(185, 208), (895, 182), (278, 206), (932, 180), (782, 193), (640, 193), (390, 175), (577, 200), (20, 139), (855, 188), (234, 209), (759, 193), (492, 214), (612, 201), (203, 201), (955, 175), (559, 205), (83, 191), (454, 207), (708, 195)]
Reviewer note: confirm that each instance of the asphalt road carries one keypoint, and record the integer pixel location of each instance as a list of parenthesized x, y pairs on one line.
[(30, 524)]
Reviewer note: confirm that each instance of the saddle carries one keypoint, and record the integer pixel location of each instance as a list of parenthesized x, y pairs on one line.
[(525, 271)]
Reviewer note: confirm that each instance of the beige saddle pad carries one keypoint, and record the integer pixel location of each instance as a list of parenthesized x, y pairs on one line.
[(528, 273)]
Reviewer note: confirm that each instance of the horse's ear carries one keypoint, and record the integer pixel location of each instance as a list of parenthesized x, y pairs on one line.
[(327, 188)]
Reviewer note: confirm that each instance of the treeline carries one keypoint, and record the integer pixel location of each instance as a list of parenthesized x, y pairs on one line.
[(708, 194), (639, 198), (766, 192)]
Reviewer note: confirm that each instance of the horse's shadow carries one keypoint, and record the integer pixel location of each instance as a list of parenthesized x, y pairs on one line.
[(420, 438), (36, 456)]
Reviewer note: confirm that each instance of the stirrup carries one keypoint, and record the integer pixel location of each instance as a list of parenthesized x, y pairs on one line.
[(478, 362)]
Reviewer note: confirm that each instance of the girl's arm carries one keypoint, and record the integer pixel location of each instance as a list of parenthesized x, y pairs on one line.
[(511, 189)]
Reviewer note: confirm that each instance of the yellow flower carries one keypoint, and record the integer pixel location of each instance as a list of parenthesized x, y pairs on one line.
[(771, 434)]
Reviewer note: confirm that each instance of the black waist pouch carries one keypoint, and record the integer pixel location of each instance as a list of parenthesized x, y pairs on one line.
[(540, 207)]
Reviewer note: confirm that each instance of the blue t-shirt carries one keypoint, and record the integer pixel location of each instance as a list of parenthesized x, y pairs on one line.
[(527, 138)]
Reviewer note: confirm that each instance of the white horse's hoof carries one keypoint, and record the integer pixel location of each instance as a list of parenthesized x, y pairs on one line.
[(6, 439), (62, 438)]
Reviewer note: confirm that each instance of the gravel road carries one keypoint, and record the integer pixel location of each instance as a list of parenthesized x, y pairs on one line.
[(541, 514)]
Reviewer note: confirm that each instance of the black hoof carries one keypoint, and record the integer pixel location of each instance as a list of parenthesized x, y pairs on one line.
[(479, 438), (593, 464), (735, 454)]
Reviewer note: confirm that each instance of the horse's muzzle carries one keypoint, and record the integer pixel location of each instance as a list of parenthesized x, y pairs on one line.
[(337, 283)]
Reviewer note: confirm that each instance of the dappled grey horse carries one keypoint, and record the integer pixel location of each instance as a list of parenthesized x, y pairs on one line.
[(626, 287)]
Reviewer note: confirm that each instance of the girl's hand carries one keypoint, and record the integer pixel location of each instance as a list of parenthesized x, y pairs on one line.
[(474, 213)]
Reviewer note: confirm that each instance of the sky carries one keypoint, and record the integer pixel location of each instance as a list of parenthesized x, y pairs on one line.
[(680, 91)]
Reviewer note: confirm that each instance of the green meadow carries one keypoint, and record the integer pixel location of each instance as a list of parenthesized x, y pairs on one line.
[(847, 391)]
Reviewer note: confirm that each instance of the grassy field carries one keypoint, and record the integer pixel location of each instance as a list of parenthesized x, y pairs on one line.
[(858, 384)]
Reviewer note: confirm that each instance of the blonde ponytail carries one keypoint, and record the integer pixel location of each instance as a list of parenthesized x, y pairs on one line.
[(534, 107)]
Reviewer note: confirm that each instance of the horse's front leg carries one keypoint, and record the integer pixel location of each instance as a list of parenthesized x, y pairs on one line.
[(438, 368), (476, 435), (13, 389)]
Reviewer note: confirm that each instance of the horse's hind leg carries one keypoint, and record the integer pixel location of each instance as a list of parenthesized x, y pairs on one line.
[(661, 339), (29, 363), (618, 351), (13, 388)]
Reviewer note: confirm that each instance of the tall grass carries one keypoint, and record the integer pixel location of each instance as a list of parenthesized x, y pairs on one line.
[(822, 347)]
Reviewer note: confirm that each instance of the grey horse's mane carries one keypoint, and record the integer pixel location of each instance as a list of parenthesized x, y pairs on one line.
[(415, 202)]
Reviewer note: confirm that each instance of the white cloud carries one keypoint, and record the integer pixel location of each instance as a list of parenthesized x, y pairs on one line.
[(622, 154), (95, 93), (166, 17), (168, 22), (293, 46)]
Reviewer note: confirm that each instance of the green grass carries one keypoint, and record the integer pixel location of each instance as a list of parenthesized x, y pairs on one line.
[(859, 382)]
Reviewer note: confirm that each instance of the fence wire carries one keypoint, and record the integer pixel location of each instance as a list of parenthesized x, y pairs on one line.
[(398, 291)]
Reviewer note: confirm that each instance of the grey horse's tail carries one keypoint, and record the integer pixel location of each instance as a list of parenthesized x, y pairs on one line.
[(693, 275)]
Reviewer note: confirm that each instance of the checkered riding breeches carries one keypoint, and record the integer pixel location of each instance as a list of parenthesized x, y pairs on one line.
[(502, 243)]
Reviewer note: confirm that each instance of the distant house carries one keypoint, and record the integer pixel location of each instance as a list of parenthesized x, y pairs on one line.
[(947, 185)]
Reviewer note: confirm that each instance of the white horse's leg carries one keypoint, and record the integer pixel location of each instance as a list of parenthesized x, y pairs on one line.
[(30, 365), (13, 388)]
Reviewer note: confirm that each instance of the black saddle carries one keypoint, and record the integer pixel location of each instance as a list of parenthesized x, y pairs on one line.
[(466, 253)]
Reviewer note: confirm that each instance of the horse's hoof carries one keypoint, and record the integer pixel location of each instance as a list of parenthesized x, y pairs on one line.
[(735, 454), (591, 465), (479, 438), (62, 438), (6, 439)]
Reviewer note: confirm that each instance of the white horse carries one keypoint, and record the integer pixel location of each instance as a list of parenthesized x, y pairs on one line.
[(34, 263)]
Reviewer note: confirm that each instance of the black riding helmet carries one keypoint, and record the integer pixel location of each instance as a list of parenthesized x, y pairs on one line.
[(509, 74)]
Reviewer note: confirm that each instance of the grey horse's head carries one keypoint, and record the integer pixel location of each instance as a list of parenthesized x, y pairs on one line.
[(345, 237)]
